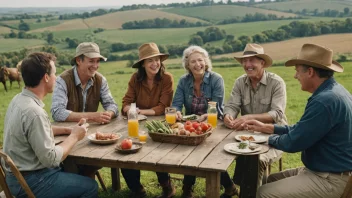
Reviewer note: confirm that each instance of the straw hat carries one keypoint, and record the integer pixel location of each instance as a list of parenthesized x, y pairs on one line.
[(316, 56), (149, 50), (89, 49), (253, 49)]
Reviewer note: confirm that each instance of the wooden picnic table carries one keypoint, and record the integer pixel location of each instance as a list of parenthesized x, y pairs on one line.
[(206, 160)]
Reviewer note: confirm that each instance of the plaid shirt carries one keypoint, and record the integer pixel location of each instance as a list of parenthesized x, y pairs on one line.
[(199, 104)]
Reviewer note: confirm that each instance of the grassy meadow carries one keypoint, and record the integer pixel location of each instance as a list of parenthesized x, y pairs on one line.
[(299, 5), (296, 100), (221, 12)]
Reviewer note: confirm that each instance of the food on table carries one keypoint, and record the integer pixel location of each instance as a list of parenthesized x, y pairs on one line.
[(189, 117), (242, 145), (126, 144), (105, 136), (245, 138), (189, 128)]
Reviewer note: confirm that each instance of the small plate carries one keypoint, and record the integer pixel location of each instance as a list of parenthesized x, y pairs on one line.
[(136, 146), (91, 137), (233, 148), (257, 138)]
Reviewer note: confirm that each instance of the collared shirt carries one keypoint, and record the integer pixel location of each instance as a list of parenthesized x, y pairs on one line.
[(268, 97), (156, 98), (212, 88), (28, 136), (324, 133), (60, 99)]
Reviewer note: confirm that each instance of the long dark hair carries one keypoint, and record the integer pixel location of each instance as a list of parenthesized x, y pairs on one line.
[(142, 74)]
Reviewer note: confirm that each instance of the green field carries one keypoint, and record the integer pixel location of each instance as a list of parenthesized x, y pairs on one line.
[(7, 45), (182, 35), (220, 12), (299, 5), (296, 101)]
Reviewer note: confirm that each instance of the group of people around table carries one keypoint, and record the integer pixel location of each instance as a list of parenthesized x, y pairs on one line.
[(323, 134)]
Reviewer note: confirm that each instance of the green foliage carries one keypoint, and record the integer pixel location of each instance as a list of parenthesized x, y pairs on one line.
[(23, 26), (161, 23), (196, 40)]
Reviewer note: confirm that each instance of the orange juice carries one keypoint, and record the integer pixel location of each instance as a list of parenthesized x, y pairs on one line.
[(143, 138), (213, 119), (170, 118), (133, 128)]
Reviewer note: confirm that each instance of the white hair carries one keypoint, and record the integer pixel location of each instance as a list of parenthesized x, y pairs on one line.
[(196, 49)]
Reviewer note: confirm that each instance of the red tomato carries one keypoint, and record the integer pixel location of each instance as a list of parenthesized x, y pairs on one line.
[(204, 126), (195, 125), (188, 127), (191, 130), (209, 125), (126, 144), (188, 123), (199, 129)]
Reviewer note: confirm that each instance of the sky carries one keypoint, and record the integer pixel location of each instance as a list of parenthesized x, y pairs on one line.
[(81, 3)]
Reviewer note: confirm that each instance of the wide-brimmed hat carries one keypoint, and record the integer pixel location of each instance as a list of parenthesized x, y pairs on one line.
[(149, 50), (253, 49), (316, 56), (89, 49)]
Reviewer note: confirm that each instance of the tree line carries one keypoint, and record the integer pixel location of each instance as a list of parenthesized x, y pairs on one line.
[(25, 16), (255, 17), (161, 23)]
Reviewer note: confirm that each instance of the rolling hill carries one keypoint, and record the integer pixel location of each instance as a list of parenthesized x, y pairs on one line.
[(220, 12), (299, 5), (114, 20), (284, 50), (18, 44)]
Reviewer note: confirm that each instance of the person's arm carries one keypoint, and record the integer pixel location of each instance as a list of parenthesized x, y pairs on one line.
[(233, 106), (107, 100), (130, 96), (99, 117), (167, 92), (218, 95), (57, 130), (278, 103), (59, 101), (179, 97), (313, 126)]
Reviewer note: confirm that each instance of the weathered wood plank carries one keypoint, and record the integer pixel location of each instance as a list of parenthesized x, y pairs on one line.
[(158, 153), (203, 150), (212, 184), (177, 155)]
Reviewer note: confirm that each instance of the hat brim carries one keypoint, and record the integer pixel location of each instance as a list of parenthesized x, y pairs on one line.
[(162, 58), (89, 55), (266, 58), (335, 66)]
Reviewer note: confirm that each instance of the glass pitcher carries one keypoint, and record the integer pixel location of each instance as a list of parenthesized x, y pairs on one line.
[(133, 124), (212, 114)]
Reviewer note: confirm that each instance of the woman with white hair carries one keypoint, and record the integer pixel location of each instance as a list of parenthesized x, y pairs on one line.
[(194, 90)]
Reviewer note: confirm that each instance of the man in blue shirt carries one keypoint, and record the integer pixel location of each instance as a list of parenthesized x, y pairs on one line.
[(323, 134)]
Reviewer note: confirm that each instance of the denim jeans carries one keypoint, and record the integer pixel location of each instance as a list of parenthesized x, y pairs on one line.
[(52, 182)]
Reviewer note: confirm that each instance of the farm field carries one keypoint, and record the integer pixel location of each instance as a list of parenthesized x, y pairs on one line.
[(7, 45), (296, 100), (299, 5), (275, 50), (221, 12), (5, 30)]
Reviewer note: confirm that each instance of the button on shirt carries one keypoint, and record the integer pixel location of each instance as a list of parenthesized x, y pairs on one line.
[(59, 99), (324, 133), (268, 97), (28, 136)]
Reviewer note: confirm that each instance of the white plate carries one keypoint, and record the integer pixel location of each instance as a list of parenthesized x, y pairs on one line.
[(233, 148), (257, 138), (91, 137)]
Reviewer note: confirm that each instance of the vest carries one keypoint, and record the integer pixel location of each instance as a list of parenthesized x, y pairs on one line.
[(74, 93)]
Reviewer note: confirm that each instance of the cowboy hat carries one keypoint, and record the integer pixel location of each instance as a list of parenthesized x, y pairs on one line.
[(253, 49), (316, 56), (89, 49), (149, 50)]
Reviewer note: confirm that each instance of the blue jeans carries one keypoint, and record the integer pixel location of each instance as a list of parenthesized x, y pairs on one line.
[(52, 182)]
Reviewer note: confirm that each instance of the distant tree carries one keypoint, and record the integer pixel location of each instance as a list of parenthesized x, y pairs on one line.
[(50, 38), (196, 40), (260, 38), (23, 26), (229, 38), (12, 34), (346, 10), (227, 48), (21, 34), (39, 20)]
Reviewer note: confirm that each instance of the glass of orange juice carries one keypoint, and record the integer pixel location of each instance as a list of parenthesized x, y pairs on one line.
[(170, 115), (142, 137), (212, 114), (133, 127)]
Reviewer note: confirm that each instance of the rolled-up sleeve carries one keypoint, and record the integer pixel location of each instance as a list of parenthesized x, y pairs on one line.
[(41, 138), (59, 101), (218, 95), (106, 98), (167, 92), (278, 103), (233, 106)]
